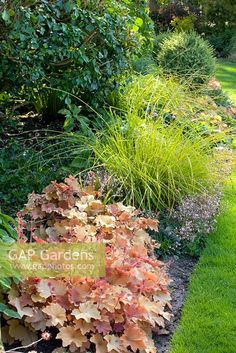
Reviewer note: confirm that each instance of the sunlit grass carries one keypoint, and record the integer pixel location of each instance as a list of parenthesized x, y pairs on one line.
[(226, 74)]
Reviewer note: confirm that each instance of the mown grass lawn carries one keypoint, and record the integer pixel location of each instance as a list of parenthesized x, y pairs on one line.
[(226, 74), (208, 323)]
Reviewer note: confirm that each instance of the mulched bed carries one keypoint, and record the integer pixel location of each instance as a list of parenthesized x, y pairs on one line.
[(179, 271)]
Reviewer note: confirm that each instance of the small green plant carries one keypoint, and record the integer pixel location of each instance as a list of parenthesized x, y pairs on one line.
[(188, 56), (7, 230)]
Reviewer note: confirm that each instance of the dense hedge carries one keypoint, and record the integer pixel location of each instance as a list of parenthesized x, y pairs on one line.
[(77, 46)]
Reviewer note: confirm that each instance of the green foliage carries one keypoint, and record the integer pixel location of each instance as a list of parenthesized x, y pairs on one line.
[(8, 274), (5, 309), (232, 56), (188, 56), (183, 24), (28, 168), (8, 235), (72, 45), (215, 19), (159, 38), (216, 16), (217, 22), (7, 231), (222, 42), (158, 142), (178, 14), (165, 98), (145, 64), (74, 118)]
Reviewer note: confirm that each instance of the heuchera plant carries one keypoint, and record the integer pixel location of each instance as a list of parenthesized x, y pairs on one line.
[(112, 314)]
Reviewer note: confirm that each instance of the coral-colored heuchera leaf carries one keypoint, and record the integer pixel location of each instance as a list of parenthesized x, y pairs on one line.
[(134, 337), (100, 343), (113, 314), (20, 332), (56, 313), (87, 311), (69, 335)]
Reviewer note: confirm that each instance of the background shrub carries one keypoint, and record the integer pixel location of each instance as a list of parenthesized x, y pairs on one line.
[(216, 15), (223, 42), (187, 55), (232, 55), (80, 47), (214, 19), (174, 14)]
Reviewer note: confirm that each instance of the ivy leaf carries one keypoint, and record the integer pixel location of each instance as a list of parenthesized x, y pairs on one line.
[(3, 233), (6, 16), (139, 22), (5, 282), (69, 124), (9, 312), (135, 28)]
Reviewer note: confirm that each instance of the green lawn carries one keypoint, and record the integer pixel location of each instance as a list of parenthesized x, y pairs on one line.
[(226, 74), (208, 323)]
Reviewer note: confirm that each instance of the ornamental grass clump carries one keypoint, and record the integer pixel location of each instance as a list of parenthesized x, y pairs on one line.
[(115, 313), (154, 94), (156, 163)]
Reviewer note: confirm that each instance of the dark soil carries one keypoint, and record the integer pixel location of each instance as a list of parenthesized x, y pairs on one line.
[(179, 271)]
